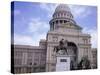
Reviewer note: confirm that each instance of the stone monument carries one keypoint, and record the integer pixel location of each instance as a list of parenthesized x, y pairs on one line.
[(62, 57)]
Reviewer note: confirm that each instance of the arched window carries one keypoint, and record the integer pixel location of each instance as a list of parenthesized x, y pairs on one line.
[(57, 22), (60, 21)]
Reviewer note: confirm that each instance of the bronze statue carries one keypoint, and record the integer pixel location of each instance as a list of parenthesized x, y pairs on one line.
[(62, 47)]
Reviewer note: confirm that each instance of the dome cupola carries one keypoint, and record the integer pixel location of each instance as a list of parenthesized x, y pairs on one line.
[(62, 11), (62, 15)]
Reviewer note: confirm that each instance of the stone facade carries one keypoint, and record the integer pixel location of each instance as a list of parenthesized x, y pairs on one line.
[(28, 59), (42, 57), (94, 57), (63, 26)]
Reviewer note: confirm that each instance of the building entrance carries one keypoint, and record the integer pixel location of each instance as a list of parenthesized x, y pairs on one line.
[(66, 56)]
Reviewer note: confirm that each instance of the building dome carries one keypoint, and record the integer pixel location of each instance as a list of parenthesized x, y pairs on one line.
[(62, 11), (62, 7), (62, 15)]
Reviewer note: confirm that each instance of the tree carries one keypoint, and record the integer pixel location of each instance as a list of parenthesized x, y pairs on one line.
[(84, 63)]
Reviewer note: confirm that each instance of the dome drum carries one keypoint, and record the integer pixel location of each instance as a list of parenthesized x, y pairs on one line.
[(63, 14), (62, 21)]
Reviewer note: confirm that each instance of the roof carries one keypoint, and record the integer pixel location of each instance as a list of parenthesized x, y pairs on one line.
[(62, 7), (27, 47)]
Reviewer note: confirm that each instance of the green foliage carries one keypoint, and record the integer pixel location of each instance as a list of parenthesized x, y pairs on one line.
[(84, 63)]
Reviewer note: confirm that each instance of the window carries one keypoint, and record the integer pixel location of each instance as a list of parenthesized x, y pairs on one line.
[(18, 53), (53, 64), (65, 21), (30, 54), (85, 41), (64, 14), (63, 60), (56, 22), (86, 51), (17, 61), (29, 62), (55, 39), (60, 21)]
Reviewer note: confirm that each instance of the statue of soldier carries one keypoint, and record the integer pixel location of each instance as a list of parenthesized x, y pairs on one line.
[(61, 44), (62, 48)]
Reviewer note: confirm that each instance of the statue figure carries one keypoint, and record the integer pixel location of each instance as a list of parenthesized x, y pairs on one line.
[(61, 43), (62, 47)]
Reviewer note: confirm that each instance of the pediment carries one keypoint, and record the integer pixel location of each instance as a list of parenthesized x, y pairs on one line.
[(72, 26)]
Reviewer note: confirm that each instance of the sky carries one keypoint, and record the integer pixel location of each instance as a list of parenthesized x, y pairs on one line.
[(31, 21)]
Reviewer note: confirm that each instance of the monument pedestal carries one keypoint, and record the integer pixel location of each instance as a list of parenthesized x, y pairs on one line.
[(63, 63)]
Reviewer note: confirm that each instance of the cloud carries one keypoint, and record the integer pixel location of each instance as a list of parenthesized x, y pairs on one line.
[(94, 36), (28, 40), (36, 30), (22, 39), (78, 11), (49, 8), (37, 25)]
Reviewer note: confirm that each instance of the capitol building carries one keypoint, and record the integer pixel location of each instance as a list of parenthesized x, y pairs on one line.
[(65, 48)]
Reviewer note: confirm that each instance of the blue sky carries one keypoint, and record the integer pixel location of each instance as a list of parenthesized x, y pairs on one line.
[(31, 21)]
